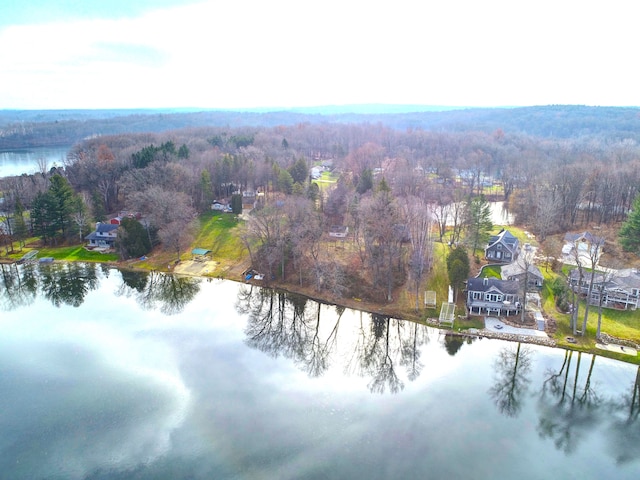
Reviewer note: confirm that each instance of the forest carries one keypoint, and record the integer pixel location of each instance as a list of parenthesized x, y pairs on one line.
[(20, 129), (396, 190)]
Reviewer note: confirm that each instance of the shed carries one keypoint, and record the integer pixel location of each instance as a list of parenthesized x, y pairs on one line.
[(200, 254)]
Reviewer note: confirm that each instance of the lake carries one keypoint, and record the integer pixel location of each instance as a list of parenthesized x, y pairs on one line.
[(120, 375), (17, 162)]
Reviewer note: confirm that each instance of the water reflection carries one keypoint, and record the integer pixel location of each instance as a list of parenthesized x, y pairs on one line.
[(453, 342), (18, 286), (280, 323), (624, 432), (512, 369), (571, 407), (266, 384), (284, 324), (153, 290), (69, 283)]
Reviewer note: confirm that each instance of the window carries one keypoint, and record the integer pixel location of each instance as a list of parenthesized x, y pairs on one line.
[(493, 297)]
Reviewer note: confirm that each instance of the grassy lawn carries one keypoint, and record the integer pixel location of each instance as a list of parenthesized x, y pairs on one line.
[(77, 253), (491, 271), (218, 233), (438, 281), (326, 180), (74, 253)]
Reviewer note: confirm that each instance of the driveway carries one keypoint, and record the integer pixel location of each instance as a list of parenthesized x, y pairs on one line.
[(493, 324)]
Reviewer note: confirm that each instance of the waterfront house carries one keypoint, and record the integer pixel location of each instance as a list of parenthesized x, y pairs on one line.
[(493, 296)]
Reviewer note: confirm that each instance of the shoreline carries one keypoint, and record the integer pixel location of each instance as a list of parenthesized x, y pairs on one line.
[(231, 274)]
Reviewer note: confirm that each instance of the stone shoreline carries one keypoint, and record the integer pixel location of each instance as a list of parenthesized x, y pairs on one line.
[(485, 333)]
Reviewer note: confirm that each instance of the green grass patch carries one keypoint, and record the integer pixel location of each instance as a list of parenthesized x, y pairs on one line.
[(219, 233), (438, 279), (467, 323), (491, 271), (76, 253), (326, 180)]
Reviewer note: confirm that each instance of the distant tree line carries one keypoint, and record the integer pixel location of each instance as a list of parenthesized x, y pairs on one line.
[(28, 129)]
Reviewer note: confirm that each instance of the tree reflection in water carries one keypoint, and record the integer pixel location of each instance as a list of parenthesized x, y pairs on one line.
[(285, 324), (18, 286), (68, 283), (624, 432), (153, 290), (568, 409), (512, 368), (61, 283), (280, 323)]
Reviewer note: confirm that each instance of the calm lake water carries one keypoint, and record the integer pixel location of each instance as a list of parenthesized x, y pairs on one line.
[(17, 162), (110, 375)]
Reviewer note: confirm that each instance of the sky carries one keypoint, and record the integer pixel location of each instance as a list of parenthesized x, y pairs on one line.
[(68, 54)]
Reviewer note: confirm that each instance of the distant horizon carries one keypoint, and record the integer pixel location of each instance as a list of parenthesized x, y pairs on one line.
[(357, 108)]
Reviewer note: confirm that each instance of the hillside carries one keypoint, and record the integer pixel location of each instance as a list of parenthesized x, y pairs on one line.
[(24, 129)]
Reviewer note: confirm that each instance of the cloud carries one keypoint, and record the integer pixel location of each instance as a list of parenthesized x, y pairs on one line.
[(249, 53), (82, 399)]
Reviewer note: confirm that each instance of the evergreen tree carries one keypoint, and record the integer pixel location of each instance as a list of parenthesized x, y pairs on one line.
[(63, 201), (313, 192), (41, 217), (236, 203), (97, 204), (630, 232), (365, 182), (285, 181), (20, 230), (458, 268), (478, 221), (133, 240), (206, 190), (297, 190), (183, 151), (299, 171)]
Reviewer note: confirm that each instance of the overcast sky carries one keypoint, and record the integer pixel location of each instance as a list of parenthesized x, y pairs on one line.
[(281, 53)]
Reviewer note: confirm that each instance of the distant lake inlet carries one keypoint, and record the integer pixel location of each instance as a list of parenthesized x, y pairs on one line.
[(17, 162)]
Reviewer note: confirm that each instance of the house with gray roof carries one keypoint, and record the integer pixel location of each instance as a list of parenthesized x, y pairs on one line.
[(104, 236), (502, 248), (516, 271), (493, 296), (619, 289)]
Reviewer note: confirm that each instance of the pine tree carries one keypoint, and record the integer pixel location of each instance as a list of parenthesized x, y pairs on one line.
[(630, 232), (20, 230), (458, 268), (478, 221), (63, 200)]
